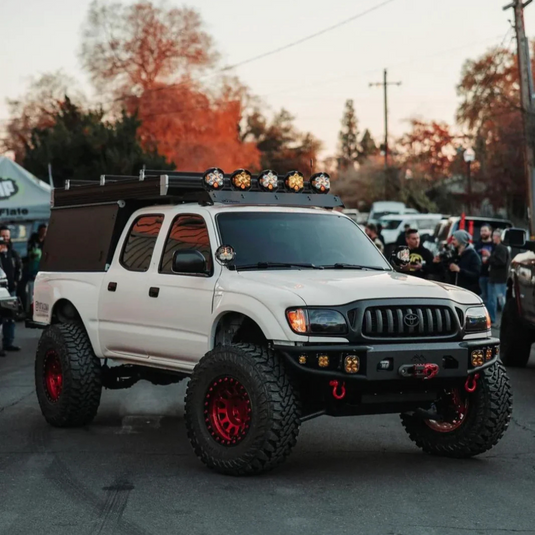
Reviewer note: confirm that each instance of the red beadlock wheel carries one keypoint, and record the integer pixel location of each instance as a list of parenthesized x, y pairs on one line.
[(457, 409), (227, 411), (53, 375)]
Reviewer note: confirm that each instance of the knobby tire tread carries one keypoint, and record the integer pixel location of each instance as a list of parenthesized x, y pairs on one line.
[(482, 430), (278, 407), (82, 386)]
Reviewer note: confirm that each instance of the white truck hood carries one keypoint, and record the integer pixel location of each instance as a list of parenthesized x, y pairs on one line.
[(330, 287)]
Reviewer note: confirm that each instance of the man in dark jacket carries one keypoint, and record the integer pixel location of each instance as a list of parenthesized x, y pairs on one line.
[(12, 265), (498, 262), (421, 259), (465, 270), (484, 248)]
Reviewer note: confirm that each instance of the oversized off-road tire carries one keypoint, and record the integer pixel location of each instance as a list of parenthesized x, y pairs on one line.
[(67, 376), (475, 422), (242, 414), (515, 337)]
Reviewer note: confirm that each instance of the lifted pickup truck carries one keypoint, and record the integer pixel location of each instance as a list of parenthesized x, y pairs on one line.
[(277, 307)]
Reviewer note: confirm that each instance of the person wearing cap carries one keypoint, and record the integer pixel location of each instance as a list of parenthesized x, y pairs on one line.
[(465, 270)]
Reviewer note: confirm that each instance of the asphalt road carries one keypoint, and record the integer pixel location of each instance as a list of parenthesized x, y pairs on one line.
[(133, 472)]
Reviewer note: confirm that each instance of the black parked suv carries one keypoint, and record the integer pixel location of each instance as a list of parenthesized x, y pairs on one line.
[(517, 331)]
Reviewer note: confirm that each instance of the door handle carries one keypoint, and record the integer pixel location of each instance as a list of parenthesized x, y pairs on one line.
[(112, 286), (153, 291)]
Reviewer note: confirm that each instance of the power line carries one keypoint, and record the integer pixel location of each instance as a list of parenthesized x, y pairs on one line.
[(308, 37)]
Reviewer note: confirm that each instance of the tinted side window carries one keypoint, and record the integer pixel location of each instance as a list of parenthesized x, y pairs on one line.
[(137, 252), (188, 231)]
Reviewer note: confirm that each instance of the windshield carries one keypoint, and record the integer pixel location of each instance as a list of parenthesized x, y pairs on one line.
[(297, 238), (391, 224)]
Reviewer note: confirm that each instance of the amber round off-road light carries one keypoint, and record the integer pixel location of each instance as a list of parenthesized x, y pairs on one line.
[(488, 353), (352, 364), (302, 359), (477, 357), (294, 181), (214, 178), (320, 182), (241, 179), (323, 361), (268, 180)]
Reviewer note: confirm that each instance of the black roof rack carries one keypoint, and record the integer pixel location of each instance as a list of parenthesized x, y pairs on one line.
[(174, 187)]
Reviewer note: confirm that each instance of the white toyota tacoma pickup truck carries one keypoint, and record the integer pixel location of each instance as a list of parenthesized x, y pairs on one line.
[(277, 307)]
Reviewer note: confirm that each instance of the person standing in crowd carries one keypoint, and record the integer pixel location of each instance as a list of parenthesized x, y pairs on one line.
[(12, 266), (498, 264), (484, 248), (371, 231), (421, 259), (402, 236), (464, 271), (380, 234), (31, 267), (35, 250)]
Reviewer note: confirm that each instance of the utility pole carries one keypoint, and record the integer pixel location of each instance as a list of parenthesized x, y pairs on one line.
[(526, 97), (385, 83)]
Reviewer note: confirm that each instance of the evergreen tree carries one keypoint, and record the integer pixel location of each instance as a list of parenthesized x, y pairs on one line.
[(348, 137), (80, 145), (367, 146)]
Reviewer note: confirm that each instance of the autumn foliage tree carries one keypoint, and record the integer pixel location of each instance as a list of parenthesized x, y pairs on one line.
[(428, 149), (135, 48)]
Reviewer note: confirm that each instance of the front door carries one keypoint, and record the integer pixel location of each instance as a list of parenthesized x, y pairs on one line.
[(180, 310), (124, 296)]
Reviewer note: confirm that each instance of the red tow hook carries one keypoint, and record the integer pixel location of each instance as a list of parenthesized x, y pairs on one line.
[(342, 393), (471, 383)]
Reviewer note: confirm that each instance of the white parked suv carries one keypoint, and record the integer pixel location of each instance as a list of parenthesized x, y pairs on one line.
[(278, 308)]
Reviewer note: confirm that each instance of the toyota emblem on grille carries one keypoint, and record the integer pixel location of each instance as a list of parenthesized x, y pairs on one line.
[(411, 320)]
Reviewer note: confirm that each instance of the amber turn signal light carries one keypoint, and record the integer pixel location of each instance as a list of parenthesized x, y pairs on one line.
[(297, 318)]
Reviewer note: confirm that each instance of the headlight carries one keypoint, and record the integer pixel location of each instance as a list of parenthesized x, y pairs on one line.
[(477, 320), (316, 321)]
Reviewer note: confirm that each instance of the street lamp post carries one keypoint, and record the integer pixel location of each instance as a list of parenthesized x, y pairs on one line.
[(469, 156)]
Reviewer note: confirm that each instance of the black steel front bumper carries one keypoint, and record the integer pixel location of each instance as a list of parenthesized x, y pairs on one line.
[(392, 362)]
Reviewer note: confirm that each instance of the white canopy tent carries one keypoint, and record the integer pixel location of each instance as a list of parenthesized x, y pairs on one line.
[(23, 197)]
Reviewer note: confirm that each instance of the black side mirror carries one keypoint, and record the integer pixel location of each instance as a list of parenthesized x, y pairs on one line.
[(515, 237), (401, 256), (189, 261)]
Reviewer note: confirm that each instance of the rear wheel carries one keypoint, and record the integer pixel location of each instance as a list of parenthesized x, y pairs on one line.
[(67, 376), (241, 411), (470, 423), (515, 338)]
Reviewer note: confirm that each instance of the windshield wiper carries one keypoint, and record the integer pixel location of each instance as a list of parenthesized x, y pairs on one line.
[(343, 265), (268, 265)]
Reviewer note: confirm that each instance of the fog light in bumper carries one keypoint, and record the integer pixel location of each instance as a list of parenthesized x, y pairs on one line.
[(477, 357), (302, 359), (352, 364), (323, 361)]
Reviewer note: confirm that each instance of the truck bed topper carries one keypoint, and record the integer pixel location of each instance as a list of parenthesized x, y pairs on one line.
[(88, 217)]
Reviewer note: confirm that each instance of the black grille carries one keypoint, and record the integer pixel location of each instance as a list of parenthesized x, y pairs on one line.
[(409, 322)]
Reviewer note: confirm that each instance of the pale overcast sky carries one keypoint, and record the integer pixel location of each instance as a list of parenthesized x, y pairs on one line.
[(422, 42)]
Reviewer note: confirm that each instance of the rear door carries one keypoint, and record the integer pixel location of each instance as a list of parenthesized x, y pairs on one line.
[(180, 313), (124, 296)]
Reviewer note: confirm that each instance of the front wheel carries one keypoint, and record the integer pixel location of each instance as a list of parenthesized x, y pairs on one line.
[(471, 423), (241, 412)]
